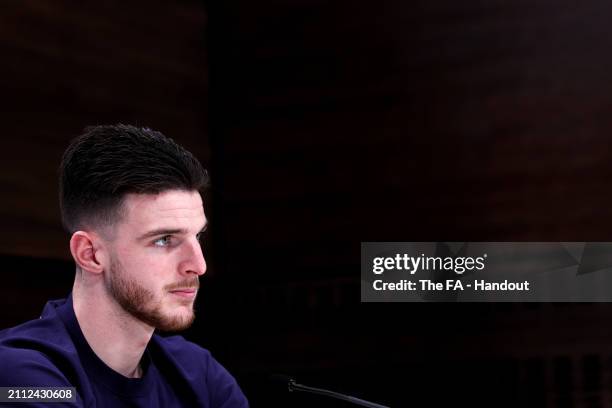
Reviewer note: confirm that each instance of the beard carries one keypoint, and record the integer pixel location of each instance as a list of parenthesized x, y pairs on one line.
[(140, 302)]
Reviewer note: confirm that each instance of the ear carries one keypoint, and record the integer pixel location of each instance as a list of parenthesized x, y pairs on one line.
[(88, 252)]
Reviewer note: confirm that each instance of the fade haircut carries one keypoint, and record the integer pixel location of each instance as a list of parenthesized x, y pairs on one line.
[(105, 163)]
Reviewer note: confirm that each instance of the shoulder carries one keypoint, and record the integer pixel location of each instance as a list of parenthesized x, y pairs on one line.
[(187, 356), (196, 362), (46, 331), (33, 353), (28, 367), (31, 368)]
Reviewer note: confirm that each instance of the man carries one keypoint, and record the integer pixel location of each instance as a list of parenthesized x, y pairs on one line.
[(130, 198)]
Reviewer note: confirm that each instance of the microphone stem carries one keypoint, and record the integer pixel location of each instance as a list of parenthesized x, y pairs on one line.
[(293, 386)]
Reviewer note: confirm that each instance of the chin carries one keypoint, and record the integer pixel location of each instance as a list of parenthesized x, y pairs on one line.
[(177, 322)]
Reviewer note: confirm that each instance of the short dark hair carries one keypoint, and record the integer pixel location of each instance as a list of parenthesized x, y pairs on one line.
[(105, 163)]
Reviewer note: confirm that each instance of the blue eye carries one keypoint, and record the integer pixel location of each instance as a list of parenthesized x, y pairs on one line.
[(163, 241)]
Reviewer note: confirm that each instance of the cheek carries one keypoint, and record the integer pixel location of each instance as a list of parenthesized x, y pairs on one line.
[(150, 271), (150, 264), (139, 266)]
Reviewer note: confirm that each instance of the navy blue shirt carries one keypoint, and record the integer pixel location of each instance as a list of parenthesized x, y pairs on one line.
[(52, 352)]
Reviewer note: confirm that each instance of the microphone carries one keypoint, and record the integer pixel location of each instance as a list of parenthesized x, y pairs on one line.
[(294, 386)]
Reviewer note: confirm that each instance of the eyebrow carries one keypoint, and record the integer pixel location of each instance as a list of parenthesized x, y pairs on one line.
[(167, 231)]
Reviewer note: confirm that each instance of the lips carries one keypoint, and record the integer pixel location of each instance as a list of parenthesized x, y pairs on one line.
[(186, 293)]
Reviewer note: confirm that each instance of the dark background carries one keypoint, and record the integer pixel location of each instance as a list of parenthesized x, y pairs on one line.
[(324, 124)]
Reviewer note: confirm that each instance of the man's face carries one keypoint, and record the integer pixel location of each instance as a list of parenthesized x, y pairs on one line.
[(156, 258)]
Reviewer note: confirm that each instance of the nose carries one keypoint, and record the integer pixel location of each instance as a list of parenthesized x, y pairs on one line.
[(194, 261)]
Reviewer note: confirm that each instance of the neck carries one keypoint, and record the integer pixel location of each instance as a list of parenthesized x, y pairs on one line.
[(116, 337)]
